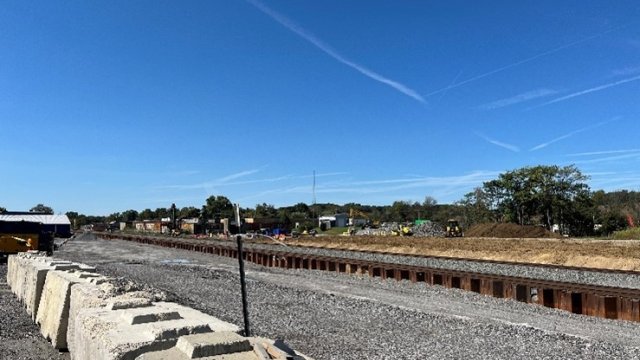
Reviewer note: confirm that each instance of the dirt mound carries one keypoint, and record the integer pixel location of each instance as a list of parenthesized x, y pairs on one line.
[(508, 230)]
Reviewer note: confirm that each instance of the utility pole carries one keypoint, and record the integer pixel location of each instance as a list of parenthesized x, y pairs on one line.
[(313, 209)]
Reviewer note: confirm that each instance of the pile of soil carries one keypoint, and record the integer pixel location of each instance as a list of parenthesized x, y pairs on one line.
[(509, 230)]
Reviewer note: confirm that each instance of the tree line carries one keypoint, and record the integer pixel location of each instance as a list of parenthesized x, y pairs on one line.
[(551, 196)]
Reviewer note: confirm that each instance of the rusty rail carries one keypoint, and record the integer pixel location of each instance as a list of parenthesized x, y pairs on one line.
[(592, 300)]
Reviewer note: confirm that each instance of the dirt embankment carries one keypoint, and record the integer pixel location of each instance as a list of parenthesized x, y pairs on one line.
[(606, 254), (505, 230)]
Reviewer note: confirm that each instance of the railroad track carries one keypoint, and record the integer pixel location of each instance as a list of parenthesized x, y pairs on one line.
[(610, 302)]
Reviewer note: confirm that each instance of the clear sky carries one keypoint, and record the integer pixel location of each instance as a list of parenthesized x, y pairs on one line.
[(114, 105)]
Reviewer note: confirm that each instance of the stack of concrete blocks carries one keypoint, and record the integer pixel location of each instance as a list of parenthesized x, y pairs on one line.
[(94, 319)]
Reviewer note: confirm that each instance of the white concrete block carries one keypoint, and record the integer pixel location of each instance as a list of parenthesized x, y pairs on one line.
[(212, 344), (102, 334), (87, 296), (35, 274), (53, 313)]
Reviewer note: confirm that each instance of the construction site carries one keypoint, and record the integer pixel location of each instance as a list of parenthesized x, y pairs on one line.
[(324, 297)]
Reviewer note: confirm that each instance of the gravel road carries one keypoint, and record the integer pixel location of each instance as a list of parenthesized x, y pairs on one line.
[(337, 316)]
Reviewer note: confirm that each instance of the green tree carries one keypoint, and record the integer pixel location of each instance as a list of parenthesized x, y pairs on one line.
[(219, 206), (129, 215), (400, 211), (162, 213), (475, 206), (40, 208), (147, 214), (428, 208), (189, 212), (540, 194), (2, 209), (301, 208), (114, 217), (266, 210)]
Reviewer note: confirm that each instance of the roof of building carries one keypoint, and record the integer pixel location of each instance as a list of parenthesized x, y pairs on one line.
[(41, 218)]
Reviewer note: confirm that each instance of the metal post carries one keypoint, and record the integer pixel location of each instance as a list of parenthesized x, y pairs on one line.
[(243, 288)]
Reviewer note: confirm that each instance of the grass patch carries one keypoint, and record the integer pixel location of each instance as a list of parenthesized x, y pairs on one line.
[(628, 234), (333, 231)]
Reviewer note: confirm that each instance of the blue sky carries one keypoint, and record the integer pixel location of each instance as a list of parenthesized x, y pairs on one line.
[(108, 106)]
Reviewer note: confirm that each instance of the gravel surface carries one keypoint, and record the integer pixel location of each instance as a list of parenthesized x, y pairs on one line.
[(19, 337), (334, 316)]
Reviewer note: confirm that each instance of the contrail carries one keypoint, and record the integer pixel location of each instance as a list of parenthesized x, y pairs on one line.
[(499, 143), (594, 89), (290, 25), (524, 61), (530, 95), (607, 152), (452, 83), (543, 145)]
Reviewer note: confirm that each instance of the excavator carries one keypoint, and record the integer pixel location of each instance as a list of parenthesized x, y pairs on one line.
[(453, 229)]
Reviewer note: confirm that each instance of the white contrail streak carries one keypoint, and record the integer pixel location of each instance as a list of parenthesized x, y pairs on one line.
[(523, 61), (530, 95), (543, 145), (593, 89), (605, 152), (499, 143), (290, 25)]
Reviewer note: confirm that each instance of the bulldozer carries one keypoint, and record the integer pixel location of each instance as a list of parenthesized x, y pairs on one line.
[(453, 229)]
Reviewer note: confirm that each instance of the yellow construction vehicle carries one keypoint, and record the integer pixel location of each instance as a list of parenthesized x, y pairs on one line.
[(20, 236), (453, 229)]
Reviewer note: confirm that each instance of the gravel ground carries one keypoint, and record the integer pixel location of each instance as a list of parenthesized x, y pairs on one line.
[(333, 316), (20, 338)]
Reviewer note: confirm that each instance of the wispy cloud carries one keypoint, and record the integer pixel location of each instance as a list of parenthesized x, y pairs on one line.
[(441, 185), (234, 179), (529, 95), (609, 158), (451, 84), (499, 143), (237, 175), (524, 61), (627, 71), (588, 91), (570, 134), (225, 180), (605, 152), (290, 25)]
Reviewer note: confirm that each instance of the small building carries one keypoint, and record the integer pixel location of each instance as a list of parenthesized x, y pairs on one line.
[(190, 226), (337, 220), (59, 225)]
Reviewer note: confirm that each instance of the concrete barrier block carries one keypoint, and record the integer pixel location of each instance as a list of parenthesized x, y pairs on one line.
[(87, 296), (53, 313), (35, 276), (102, 334), (212, 344), (224, 346), (26, 274), (11, 272), (16, 274)]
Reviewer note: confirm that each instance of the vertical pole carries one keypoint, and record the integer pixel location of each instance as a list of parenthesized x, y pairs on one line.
[(243, 285), (243, 288)]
